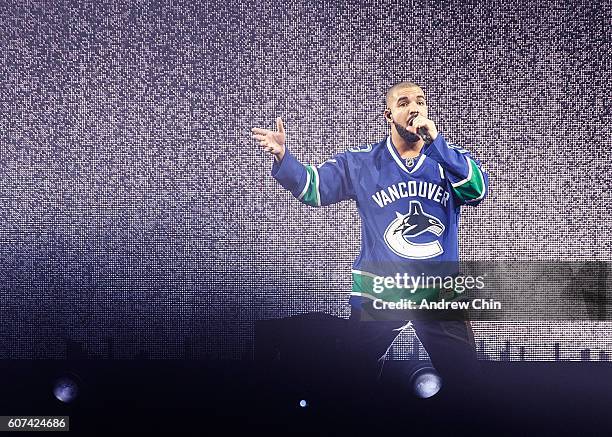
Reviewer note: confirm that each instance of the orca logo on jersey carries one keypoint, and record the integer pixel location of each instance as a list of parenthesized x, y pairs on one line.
[(407, 226)]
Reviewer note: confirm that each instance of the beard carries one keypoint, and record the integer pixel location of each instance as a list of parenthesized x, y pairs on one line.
[(409, 137)]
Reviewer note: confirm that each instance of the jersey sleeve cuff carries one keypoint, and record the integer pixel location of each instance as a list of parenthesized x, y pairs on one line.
[(290, 173), (433, 150)]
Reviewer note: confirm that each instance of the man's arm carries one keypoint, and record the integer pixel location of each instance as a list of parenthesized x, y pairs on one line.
[(315, 186), (469, 181)]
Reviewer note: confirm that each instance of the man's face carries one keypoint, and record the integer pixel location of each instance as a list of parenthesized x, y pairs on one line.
[(404, 104)]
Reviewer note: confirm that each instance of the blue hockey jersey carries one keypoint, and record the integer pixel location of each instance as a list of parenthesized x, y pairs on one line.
[(409, 216)]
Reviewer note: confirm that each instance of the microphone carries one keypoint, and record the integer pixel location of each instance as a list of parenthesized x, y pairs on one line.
[(422, 132)]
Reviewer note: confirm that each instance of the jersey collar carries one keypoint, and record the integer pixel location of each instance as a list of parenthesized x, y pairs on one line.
[(398, 159)]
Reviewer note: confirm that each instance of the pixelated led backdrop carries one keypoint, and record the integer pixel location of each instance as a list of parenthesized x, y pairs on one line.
[(136, 209)]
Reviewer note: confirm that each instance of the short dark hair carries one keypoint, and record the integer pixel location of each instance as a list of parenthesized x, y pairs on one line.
[(398, 86)]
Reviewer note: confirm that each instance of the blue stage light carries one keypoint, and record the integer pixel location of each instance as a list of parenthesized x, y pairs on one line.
[(425, 382), (66, 389)]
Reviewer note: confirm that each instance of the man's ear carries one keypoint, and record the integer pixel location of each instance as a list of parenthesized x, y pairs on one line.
[(388, 115)]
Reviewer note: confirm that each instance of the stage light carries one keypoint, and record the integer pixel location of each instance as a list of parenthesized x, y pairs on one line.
[(425, 381), (420, 378), (303, 403), (66, 388)]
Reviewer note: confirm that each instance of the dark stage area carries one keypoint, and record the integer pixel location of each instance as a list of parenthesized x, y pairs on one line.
[(560, 398)]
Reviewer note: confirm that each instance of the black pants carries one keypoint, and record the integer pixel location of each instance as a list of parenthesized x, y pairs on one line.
[(449, 343)]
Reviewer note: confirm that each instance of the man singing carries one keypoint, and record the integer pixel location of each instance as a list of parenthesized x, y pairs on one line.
[(409, 188)]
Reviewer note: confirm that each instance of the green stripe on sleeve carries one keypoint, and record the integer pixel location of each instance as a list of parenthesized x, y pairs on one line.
[(472, 187), (311, 195)]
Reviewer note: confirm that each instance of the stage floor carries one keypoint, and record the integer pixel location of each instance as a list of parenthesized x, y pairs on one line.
[(538, 398)]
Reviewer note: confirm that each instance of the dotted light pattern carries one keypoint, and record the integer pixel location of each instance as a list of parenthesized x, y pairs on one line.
[(139, 219)]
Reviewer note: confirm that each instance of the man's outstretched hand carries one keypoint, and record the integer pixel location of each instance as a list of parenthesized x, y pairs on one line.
[(272, 141)]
